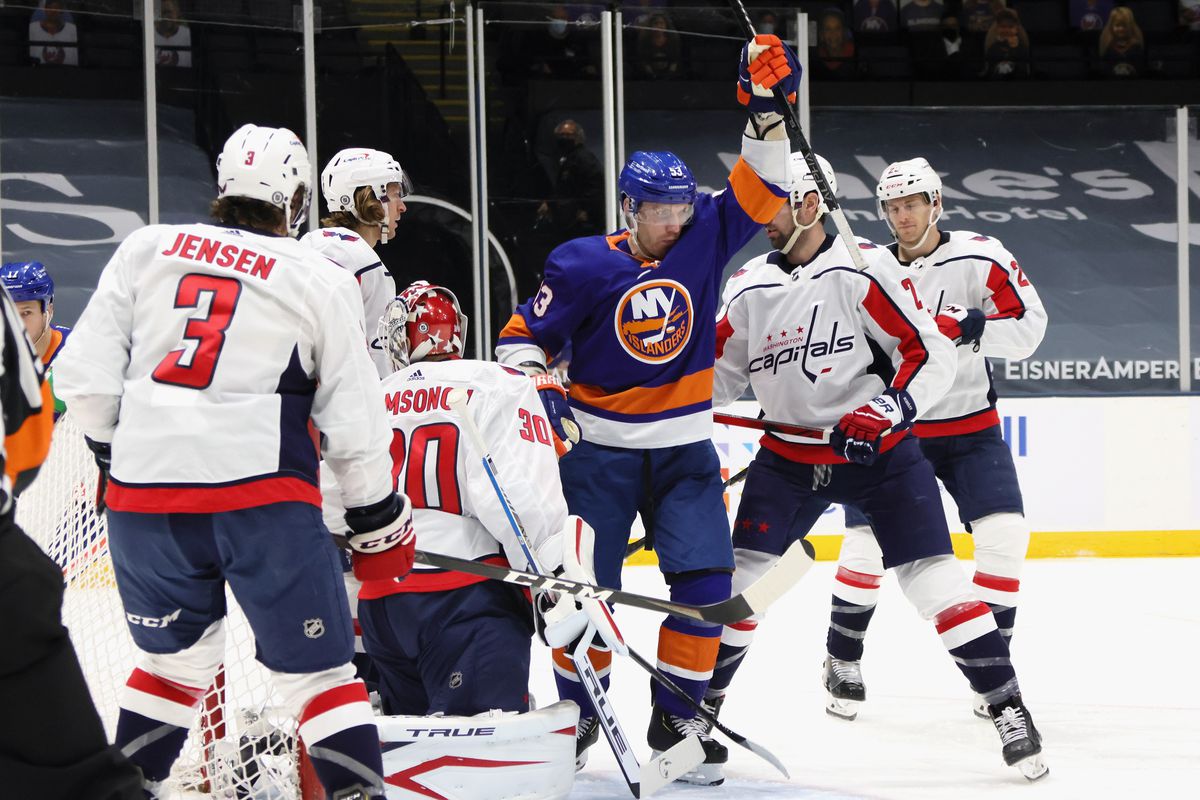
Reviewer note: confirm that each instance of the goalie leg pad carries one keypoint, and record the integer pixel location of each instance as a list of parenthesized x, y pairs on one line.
[(490, 756)]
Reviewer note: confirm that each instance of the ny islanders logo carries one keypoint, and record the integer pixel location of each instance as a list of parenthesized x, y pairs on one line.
[(653, 320)]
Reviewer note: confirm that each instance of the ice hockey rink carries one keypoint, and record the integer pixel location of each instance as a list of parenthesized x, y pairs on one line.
[(1106, 650)]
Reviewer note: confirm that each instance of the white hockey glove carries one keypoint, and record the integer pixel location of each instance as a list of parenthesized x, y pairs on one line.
[(382, 537), (563, 619)]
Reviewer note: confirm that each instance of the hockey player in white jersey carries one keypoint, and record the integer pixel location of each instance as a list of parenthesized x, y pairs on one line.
[(855, 354), (981, 300), (364, 191), (198, 371), (453, 644)]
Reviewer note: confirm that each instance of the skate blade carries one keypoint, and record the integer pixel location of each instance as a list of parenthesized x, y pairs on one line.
[(700, 775), (581, 761), (981, 712), (1033, 768), (842, 709)]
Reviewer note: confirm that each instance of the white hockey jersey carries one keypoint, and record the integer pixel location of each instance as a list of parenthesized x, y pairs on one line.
[(202, 357), (821, 339), (347, 249), (455, 509), (974, 271)]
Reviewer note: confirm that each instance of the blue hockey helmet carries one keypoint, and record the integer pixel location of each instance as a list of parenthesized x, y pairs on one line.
[(28, 281), (658, 177)]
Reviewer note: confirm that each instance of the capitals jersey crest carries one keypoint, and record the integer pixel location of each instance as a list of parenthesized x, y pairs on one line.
[(654, 320)]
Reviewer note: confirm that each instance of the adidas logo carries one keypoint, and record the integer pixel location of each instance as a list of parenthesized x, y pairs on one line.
[(416, 375)]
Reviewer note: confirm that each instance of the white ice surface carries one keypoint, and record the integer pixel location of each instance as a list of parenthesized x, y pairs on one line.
[(1107, 651)]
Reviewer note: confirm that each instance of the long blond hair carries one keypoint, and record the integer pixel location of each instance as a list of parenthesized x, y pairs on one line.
[(370, 212), (1120, 14)]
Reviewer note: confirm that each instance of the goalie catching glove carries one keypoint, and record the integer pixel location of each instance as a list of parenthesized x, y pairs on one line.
[(765, 63), (561, 618), (382, 538), (562, 421), (961, 325), (857, 435)]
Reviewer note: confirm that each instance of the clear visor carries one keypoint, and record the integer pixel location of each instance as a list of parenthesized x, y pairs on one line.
[(674, 214)]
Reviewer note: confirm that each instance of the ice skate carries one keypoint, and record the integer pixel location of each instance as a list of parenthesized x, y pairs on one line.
[(713, 706), (843, 680), (667, 730), (979, 707), (587, 733), (1021, 740)]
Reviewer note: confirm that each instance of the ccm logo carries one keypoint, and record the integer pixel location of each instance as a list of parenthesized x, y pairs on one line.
[(153, 622)]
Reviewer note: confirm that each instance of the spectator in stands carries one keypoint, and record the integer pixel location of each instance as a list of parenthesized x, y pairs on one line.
[(1006, 47), (658, 49), (980, 15), (835, 48), (875, 16), (577, 208), (768, 23), (938, 56), (921, 15), (1122, 48), (1089, 15), (52, 35), (554, 51), (1189, 15), (172, 39)]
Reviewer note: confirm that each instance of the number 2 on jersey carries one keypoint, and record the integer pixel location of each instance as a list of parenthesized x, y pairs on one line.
[(192, 366)]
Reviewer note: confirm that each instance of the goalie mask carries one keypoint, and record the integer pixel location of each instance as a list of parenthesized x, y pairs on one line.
[(904, 178), (354, 168), (267, 164), (803, 182), (423, 320)]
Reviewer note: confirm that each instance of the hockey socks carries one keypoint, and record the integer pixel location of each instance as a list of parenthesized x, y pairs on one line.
[(688, 648), (854, 597), (568, 683), (339, 734), (735, 643), (1000, 594), (968, 630), (154, 721)]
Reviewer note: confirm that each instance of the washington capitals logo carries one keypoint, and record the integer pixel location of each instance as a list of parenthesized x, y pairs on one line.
[(807, 351), (653, 320)]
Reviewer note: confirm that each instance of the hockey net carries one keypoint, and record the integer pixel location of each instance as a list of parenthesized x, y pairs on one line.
[(241, 744)]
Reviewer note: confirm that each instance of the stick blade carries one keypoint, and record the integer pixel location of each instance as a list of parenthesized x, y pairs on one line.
[(681, 759), (782, 576), (766, 755)]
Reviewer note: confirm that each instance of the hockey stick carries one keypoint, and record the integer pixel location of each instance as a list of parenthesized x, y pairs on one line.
[(795, 562), (638, 544), (681, 758), (643, 780), (793, 125), (819, 434)]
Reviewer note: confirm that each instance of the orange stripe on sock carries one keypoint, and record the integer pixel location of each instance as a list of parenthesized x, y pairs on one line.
[(601, 659), (693, 653)]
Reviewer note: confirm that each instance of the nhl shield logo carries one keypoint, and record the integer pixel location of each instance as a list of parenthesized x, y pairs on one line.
[(653, 320), (456, 680), (314, 628)]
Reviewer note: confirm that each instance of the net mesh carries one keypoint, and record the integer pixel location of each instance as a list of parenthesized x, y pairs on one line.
[(241, 745)]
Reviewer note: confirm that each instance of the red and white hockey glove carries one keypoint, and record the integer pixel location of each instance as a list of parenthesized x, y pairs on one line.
[(562, 619), (765, 62), (382, 537), (857, 435), (562, 421), (961, 325)]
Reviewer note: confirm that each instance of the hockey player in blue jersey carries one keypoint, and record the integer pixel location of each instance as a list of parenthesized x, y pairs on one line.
[(637, 308), (32, 291)]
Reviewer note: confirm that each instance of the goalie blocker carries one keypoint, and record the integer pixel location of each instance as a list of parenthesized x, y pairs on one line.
[(495, 754)]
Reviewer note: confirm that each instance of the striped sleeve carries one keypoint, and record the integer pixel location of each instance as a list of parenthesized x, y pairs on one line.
[(541, 326), (753, 194), (1016, 319), (894, 316)]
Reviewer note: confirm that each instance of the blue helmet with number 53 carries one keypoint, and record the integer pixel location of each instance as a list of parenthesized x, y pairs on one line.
[(658, 177)]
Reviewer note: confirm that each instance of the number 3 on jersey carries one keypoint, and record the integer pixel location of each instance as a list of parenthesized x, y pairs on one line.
[(192, 365)]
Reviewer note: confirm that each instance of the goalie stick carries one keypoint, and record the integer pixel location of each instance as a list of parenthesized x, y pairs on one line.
[(793, 125), (681, 758)]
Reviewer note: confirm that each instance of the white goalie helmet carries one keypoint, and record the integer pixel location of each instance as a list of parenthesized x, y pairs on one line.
[(803, 182), (903, 178), (356, 167), (267, 164)]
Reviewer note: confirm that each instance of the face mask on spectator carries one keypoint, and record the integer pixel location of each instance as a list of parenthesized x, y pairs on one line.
[(558, 28), (766, 28), (564, 144)]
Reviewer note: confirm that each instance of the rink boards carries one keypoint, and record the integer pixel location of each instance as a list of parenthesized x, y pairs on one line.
[(1100, 476)]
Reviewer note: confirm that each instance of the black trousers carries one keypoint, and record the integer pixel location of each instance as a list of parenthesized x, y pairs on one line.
[(52, 743)]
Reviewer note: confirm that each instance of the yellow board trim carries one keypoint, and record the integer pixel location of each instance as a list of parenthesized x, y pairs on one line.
[(1044, 544)]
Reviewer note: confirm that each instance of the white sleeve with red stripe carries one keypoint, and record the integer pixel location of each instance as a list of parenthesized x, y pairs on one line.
[(513, 423), (894, 316), (1016, 319), (731, 372)]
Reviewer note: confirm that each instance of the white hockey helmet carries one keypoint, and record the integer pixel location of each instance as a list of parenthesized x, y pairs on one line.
[(355, 167), (903, 178), (803, 182), (267, 164)]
